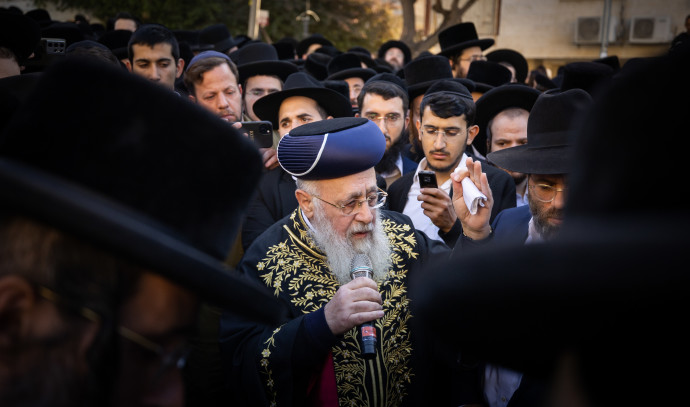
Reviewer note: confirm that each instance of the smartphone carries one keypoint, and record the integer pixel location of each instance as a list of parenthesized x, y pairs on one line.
[(259, 131), (427, 179)]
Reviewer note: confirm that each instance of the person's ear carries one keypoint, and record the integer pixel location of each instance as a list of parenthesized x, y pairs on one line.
[(418, 124), (128, 65), (17, 297), (472, 132), (305, 202), (180, 67), (192, 98)]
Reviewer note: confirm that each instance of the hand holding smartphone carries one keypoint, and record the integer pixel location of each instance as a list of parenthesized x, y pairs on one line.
[(259, 131)]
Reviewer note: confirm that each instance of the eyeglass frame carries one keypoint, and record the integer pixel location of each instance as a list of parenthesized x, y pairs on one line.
[(176, 358), (381, 200), (547, 186), (474, 58), (435, 133), (386, 119)]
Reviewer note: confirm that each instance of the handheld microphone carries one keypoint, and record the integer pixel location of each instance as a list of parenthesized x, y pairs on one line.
[(361, 267)]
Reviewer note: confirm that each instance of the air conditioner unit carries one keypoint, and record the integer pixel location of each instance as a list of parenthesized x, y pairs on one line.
[(650, 30), (590, 30)]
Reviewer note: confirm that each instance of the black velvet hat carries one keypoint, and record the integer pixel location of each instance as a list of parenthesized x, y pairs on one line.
[(395, 44), (338, 85), (140, 173), (333, 148), (552, 125), (285, 50), (487, 75), (302, 84), (389, 77), (262, 59), (218, 36), (364, 56), (41, 16), (19, 33), (303, 45), (589, 76), (316, 65), (348, 65), (420, 73), (191, 37), (512, 57), (460, 36), (117, 41), (495, 101)]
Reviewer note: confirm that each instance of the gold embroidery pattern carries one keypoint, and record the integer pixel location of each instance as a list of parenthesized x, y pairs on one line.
[(297, 269)]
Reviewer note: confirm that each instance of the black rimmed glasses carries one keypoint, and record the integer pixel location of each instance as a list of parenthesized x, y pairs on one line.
[(544, 192), (169, 359), (374, 200)]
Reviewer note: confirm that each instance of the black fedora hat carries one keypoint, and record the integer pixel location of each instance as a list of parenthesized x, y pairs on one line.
[(460, 36), (302, 84), (191, 37), (262, 59), (395, 44), (589, 76), (117, 41), (348, 65), (338, 85), (551, 129), (316, 65), (420, 73), (495, 101), (41, 16), (487, 75), (19, 33), (512, 57), (218, 36), (285, 50), (304, 44), (149, 188)]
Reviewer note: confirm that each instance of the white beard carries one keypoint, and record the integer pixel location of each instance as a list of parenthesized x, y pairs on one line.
[(340, 250)]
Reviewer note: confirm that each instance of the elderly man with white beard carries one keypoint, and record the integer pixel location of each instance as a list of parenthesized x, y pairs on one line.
[(315, 357)]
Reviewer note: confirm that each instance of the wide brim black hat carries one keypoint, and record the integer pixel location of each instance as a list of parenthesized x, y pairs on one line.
[(302, 84), (495, 101), (262, 59), (514, 58), (395, 44), (151, 186), (304, 44), (552, 125), (19, 33), (587, 75), (422, 72), (117, 41), (218, 36), (348, 65), (460, 36), (316, 64), (488, 75)]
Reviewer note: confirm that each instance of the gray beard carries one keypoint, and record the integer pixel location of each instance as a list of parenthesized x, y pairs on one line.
[(340, 250)]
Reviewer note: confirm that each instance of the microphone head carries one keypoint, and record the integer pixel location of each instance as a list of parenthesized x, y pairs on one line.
[(361, 266)]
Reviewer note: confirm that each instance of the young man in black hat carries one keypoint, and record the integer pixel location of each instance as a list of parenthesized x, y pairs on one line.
[(302, 100), (546, 159), (315, 358), (502, 115), (446, 129), (155, 54), (462, 46), (396, 53), (109, 244)]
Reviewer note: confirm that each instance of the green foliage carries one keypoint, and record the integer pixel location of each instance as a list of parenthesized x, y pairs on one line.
[(346, 23)]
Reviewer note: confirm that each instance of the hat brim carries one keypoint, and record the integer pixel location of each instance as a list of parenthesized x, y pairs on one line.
[(281, 69), (125, 232), (364, 73), (455, 49), (529, 160), (514, 58), (497, 100), (419, 88), (334, 103)]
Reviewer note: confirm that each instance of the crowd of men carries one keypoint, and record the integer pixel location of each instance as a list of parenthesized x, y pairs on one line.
[(435, 229)]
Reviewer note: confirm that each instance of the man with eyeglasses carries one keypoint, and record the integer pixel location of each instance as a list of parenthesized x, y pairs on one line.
[(383, 100), (110, 244), (546, 159), (315, 358), (462, 46), (446, 127)]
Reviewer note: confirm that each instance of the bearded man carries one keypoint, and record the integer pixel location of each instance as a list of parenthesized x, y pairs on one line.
[(314, 357)]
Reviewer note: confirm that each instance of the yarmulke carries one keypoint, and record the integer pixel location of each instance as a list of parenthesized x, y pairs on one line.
[(450, 86), (207, 54), (331, 148)]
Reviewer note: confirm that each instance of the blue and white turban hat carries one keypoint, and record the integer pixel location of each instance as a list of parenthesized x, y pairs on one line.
[(331, 148)]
